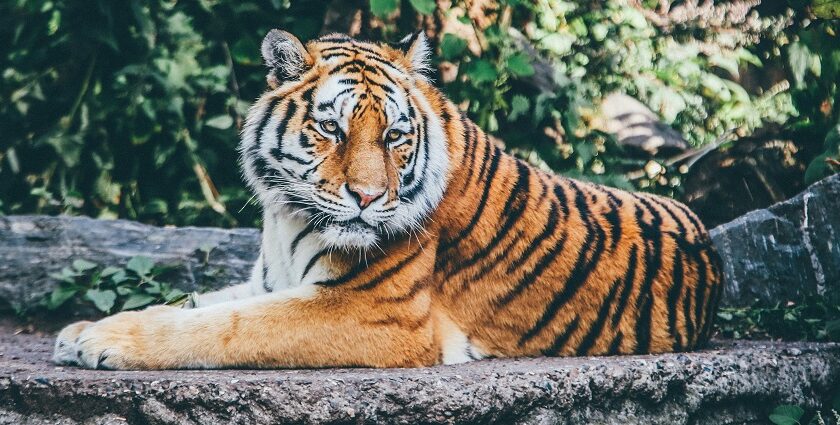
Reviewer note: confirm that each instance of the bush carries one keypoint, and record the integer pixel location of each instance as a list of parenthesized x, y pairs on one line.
[(131, 108)]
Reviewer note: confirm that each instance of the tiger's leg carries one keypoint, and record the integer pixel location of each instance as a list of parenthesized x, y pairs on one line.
[(303, 327), (231, 293), (254, 287)]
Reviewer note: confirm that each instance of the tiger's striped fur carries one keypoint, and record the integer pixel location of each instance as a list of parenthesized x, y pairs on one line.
[(422, 246)]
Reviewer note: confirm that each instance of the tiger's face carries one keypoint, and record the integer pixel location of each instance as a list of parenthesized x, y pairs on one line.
[(347, 138)]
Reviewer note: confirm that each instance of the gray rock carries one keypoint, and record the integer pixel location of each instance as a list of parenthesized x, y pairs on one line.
[(730, 383), (634, 124), (33, 247), (786, 251)]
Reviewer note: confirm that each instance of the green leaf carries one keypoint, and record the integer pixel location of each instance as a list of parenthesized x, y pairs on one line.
[(519, 105), (482, 71), (140, 265), (520, 65), (817, 169), (137, 301), (801, 59), (826, 9), (83, 265), (383, 8), (110, 270), (124, 290), (452, 46), (586, 151), (246, 51), (119, 277), (426, 7), (789, 410), (173, 294), (60, 295), (102, 299), (153, 287), (221, 122), (783, 420)]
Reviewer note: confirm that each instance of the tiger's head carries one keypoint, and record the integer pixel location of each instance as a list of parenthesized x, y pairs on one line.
[(349, 136)]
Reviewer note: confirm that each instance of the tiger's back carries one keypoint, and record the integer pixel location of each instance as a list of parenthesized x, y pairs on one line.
[(547, 265)]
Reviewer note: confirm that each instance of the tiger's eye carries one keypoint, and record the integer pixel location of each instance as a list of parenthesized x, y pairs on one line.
[(330, 126), (393, 135)]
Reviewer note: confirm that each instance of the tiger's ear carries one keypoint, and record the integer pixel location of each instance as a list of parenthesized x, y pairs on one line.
[(285, 56), (417, 50)]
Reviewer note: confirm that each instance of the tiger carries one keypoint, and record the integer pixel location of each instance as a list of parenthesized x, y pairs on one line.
[(397, 233)]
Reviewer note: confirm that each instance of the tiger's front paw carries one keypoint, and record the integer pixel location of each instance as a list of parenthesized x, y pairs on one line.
[(65, 351), (122, 341)]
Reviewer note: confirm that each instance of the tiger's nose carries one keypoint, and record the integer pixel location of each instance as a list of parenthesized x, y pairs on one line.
[(365, 197)]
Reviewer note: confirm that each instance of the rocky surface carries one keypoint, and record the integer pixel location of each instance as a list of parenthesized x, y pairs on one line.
[(33, 247), (786, 251), (729, 383)]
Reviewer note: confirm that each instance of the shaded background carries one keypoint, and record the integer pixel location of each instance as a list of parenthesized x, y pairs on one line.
[(131, 109)]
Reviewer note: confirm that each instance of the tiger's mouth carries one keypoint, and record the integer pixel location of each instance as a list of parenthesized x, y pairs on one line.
[(353, 233), (356, 224)]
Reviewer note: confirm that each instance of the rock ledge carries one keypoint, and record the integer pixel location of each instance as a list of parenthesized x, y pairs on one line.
[(729, 383)]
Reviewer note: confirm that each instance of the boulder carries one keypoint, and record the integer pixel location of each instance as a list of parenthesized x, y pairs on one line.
[(784, 252)]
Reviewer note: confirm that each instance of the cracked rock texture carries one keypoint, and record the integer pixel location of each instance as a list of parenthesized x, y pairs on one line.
[(786, 251), (779, 253), (727, 384), (33, 247)]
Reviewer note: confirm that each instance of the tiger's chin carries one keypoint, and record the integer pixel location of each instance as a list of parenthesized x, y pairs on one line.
[(349, 235)]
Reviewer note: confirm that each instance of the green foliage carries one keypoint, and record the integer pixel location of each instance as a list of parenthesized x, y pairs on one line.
[(787, 414), (826, 9), (132, 109), (813, 319), (111, 289)]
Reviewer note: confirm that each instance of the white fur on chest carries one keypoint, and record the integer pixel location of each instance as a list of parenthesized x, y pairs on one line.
[(292, 254)]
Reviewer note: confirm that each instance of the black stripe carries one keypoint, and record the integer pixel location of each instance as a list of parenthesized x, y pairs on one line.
[(389, 272), (629, 278), (674, 297), (689, 319), (588, 257), (603, 312), (560, 193), (279, 155), (613, 216), (690, 215), (717, 276), (518, 192), (277, 151), (488, 265), (312, 262), (700, 291), (265, 283), (652, 235), (548, 229), (306, 230), (615, 344), (482, 203), (416, 287), (561, 339)]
